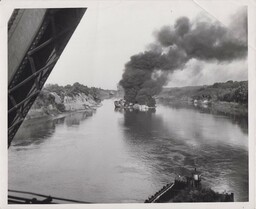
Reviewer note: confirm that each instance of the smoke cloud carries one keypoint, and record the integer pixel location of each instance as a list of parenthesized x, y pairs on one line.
[(202, 39)]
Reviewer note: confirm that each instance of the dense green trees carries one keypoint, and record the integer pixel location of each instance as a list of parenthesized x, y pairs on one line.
[(230, 91), (73, 90), (238, 94)]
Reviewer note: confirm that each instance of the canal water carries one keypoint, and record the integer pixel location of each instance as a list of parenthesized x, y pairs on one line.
[(114, 156)]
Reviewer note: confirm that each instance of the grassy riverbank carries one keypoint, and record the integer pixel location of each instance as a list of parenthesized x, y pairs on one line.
[(230, 97)]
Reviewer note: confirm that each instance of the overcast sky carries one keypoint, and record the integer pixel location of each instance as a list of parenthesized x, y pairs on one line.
[(111, 32)]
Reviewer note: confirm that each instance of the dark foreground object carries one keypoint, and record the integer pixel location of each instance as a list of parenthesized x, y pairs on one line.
[(189, 191), (202, 195), (22, 197), (168, 192), (36, 40), (179, 191)]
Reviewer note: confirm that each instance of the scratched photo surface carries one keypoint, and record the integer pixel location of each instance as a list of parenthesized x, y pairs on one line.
[(128, 102)]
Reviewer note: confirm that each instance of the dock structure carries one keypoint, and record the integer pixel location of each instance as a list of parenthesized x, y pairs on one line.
[(36, 40)]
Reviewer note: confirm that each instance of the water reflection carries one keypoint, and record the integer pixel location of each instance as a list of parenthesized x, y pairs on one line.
[(35, 131), (140, 122), (240, 120), (76, 117), (125, 156), (175, 140)]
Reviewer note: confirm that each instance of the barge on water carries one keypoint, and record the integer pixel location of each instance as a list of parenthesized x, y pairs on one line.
[(122, 104), (189, 190)]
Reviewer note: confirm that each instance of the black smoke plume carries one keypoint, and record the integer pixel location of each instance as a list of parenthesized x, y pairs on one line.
[(147, 72)]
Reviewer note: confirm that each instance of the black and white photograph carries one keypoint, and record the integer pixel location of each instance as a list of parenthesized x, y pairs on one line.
[(128, 102)]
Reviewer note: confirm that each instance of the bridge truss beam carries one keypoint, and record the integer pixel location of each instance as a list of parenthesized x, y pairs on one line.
[(38, 61)]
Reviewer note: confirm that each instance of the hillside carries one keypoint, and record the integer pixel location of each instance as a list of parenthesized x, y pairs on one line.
[(231, 91), (55, 99), (229, 97)]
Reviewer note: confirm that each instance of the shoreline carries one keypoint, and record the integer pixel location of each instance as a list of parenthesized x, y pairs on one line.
[(215, 107), (55, 114)]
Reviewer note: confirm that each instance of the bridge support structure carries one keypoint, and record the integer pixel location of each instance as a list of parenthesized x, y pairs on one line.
[(36, 39)]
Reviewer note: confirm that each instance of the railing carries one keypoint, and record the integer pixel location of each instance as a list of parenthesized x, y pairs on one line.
[(23, 197), (159, 194), (167, 192)]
